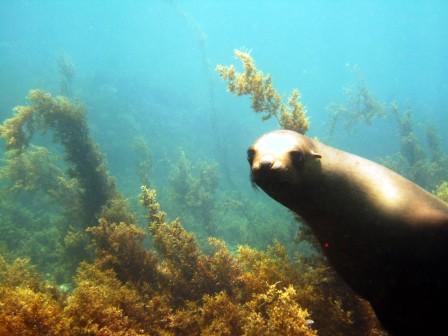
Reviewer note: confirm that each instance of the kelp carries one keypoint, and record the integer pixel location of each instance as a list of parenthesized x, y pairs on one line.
[(68, 123), (421, 160), (193, 190), (119, 246), (102, 305), (194, 274), (442, 191), (28, 305), (158, 280), (40, 204), (174, 288), (67, 74), (265, 98), (79, 190), (143, 161), (360, 106)]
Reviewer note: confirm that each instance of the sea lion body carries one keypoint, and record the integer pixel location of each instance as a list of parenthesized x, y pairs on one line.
[(385, 236)]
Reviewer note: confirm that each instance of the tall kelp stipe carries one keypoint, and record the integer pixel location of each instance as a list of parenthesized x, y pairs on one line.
[(194, 192), (422, 160), (86, 181), (67, 120)]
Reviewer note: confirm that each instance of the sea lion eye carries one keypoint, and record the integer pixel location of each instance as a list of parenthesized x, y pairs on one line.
[(250, 155), (297, 158)]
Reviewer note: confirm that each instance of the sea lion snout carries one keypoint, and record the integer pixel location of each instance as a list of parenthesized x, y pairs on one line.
[(265, 167), (265, 163)]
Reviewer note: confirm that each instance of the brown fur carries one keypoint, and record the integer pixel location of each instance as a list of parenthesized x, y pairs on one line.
[(386, 236)]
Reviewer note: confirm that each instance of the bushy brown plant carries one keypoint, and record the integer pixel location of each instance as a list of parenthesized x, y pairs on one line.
[(334, 309), (236, 280), (277, 312), (28, 306), (102, 305), (25, 312), (185, 291), (19, 273), (193, 273), (265, 98), (120, 247)]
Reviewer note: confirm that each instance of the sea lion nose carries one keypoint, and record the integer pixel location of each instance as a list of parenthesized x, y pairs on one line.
[(265, 163)]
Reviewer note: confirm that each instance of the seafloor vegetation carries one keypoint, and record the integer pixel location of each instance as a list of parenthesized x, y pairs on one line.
[(76, 260)]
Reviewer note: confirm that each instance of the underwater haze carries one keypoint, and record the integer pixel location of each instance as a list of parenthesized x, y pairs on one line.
[(126, 202)]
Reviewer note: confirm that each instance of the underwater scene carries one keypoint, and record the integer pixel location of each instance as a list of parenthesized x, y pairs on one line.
[(187, 167)]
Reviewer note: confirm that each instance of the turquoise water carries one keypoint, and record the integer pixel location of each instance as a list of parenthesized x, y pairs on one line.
[(145, 71)]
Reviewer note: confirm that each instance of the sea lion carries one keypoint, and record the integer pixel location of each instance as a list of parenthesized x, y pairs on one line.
[(383, 234)]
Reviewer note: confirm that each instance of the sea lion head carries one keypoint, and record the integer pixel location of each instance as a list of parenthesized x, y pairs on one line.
[(282, 162)]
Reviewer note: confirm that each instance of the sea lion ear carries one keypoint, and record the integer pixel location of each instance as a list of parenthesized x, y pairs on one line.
[(316, 155)]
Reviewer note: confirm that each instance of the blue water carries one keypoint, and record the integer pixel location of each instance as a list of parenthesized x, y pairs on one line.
[(146, 68)]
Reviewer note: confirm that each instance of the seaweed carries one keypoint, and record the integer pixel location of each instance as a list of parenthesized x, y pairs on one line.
[(265, 98), (67, 74), (194, 191), (174, 288), (442, 191), (277, 312), (155, 280), (68, 122), (143, 161), (103, 305), (81, 188), (24, 312), (41, 202), (334, 309), (28, 305), (424, 162), (360, 107), (192, 273), (119, 246)]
